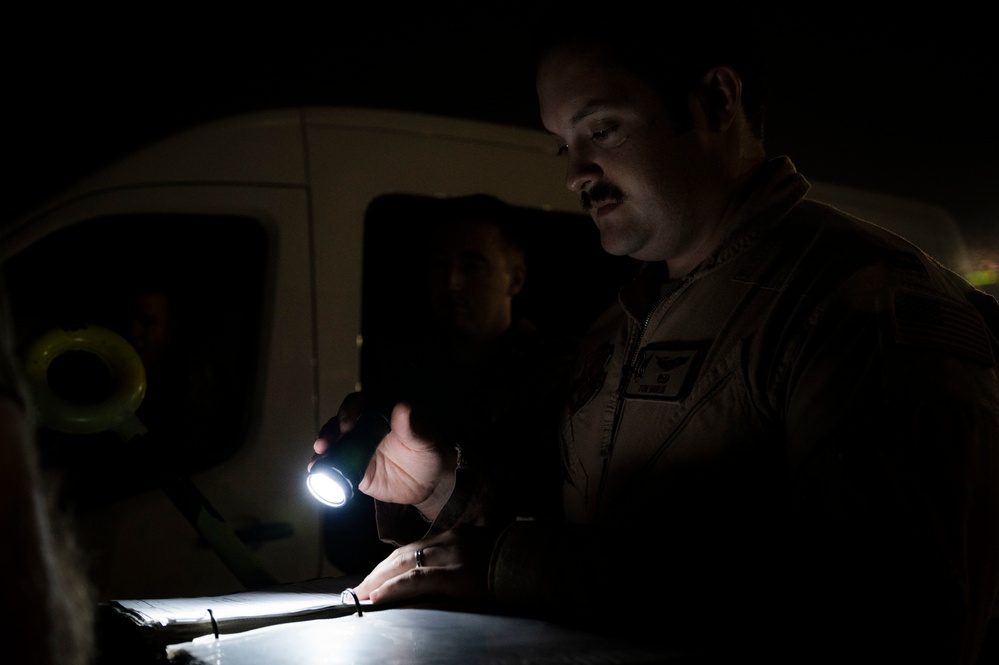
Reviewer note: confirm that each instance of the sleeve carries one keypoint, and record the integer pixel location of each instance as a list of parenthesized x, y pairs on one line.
[(602, 580), (892, 412), (470, 502)]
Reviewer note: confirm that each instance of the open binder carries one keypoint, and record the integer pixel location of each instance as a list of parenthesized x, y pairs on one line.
[(128, 628), (276, 626)]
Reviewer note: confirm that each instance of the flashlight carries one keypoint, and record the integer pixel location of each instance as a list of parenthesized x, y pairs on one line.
[(336, 474)]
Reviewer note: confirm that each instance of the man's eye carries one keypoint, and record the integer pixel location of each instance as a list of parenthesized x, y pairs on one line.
[(562, 150), (602, 134), (472, 266)]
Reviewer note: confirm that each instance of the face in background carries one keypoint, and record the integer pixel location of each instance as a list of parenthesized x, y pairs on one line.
[(473, 277), (640, 177), (152, 326)]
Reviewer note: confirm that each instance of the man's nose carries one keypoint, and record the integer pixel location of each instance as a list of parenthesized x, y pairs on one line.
[(581, 172)]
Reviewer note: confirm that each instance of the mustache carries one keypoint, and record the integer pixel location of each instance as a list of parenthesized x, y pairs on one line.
[(600, 192)]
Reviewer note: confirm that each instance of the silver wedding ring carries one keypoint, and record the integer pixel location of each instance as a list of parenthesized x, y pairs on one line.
[(419, 558)]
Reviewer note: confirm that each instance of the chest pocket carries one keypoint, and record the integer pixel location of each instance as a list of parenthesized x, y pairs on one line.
[(665, 371)]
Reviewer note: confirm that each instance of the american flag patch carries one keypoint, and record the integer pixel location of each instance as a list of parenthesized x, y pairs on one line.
[(945, 325)]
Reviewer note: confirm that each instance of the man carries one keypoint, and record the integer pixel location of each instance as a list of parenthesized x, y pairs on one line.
[(477, 374), (780, 444)]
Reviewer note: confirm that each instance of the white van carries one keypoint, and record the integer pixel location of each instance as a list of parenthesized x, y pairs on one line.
[(283, 239)]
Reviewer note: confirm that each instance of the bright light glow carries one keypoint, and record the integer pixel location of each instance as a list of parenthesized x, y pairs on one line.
[(326, 489)]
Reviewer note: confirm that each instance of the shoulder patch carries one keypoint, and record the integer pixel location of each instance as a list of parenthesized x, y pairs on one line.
[(937, 323)]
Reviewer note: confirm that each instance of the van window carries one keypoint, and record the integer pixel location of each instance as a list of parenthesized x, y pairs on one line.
[(186, 291), (570, 278)]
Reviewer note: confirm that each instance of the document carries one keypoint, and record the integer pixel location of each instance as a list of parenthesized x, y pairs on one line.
[(309, 596), (159, 622)]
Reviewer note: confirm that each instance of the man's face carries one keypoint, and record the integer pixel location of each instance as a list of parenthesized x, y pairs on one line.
[(152, 326), (472, 279), (634, 173)]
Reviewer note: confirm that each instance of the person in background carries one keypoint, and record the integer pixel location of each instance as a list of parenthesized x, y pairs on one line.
[(480, 376), (781, 444), (48, 602), (184, 395)]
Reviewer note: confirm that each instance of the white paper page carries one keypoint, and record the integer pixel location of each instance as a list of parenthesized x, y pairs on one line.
[(299, 597)]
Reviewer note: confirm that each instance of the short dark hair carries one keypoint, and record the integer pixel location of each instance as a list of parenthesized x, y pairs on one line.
[(485, 208), (675, 51)]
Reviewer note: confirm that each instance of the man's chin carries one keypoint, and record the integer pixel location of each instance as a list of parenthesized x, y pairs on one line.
[(617, 244), (461, 327)]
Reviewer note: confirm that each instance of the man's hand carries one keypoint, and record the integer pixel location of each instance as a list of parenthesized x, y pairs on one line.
[(405, 469), (409, 470), (454, 563)]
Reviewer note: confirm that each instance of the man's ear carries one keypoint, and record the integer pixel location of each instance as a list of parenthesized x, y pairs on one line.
[(721, 97), (518, 277)]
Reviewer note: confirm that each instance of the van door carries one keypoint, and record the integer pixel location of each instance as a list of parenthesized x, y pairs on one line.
[(226, 268)]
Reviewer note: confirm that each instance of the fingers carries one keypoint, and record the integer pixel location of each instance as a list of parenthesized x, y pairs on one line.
[(400, 562), (319, 448), (337, 426), (409, 577), (317, 456), (413, 570), (349, 411), (330, 431), (442, 565)]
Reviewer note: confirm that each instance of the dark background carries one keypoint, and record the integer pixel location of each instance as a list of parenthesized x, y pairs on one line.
[(903, 103)]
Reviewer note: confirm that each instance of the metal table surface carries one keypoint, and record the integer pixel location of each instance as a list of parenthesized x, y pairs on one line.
[(409, 636)]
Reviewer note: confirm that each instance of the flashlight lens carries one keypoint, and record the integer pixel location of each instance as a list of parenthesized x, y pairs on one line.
[(326, 489)]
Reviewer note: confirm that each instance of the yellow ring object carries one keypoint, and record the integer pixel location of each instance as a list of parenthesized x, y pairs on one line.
[(128, 379)]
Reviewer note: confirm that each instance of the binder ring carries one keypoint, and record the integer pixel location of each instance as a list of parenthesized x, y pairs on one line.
[(350, 592)]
